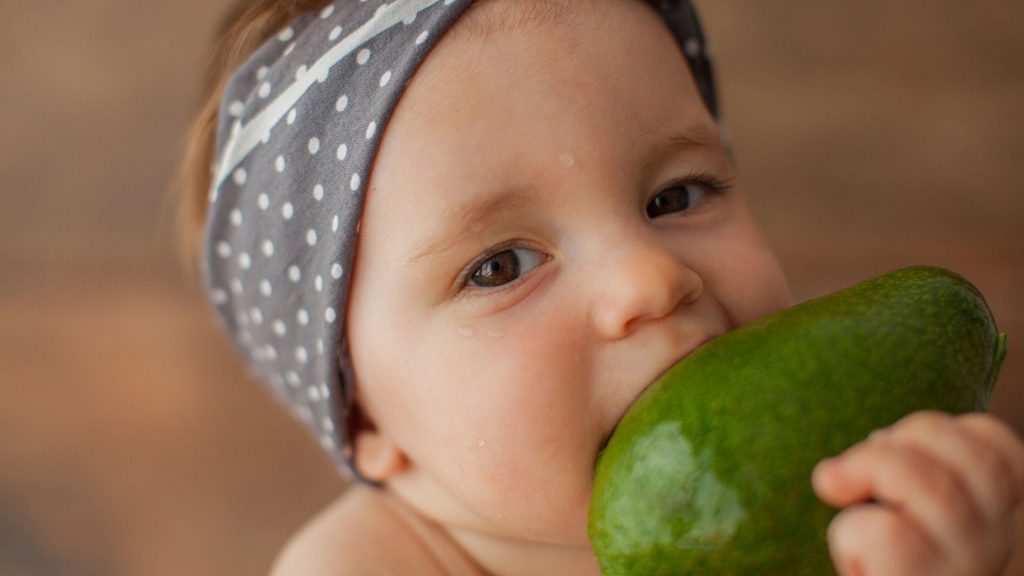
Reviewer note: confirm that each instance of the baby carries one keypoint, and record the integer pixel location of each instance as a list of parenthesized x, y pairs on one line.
[(552, 220)]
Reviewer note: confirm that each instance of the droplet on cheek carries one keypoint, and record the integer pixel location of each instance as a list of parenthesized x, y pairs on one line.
[(567, 158), (466, 331), (480, 444), (496, 333)]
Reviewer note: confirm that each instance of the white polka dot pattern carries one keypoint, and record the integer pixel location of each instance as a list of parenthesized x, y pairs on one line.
[(299, 126)]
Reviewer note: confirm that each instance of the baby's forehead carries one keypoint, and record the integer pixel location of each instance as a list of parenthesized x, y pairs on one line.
[(486, 17), (576, 23)]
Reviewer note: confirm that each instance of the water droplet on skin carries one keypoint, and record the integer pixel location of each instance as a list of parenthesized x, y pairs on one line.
[(496, 333), (480, 443), (567, 158), (466, 332)]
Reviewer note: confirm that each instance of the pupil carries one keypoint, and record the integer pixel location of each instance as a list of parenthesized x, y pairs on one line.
[(492, 268), (670, 200), (500, 269)]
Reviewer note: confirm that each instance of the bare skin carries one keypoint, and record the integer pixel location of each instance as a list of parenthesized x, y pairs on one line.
[(493, 364)]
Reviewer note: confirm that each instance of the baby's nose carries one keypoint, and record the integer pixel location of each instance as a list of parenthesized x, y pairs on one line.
[(641, 284)]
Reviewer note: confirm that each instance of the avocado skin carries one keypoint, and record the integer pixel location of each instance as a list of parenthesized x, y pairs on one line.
[(709, 470)]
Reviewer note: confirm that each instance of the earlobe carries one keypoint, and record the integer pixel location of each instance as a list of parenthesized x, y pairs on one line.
[(377, 457)]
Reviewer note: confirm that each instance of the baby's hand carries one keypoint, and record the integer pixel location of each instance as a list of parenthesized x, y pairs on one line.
[(933, 495)]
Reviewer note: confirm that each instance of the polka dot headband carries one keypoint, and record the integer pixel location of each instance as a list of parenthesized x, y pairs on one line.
[(299, 126)]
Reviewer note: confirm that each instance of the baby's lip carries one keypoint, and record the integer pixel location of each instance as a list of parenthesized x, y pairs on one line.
[(691, 350), (672, 363)]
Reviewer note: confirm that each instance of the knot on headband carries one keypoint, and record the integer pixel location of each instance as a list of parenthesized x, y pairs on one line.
[(298, 129)]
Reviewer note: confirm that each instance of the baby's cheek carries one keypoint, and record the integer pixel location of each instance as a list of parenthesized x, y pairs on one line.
[(752, 285), (529, 466), (740, 268)]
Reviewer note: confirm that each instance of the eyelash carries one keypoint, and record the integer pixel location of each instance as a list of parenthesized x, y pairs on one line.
[(467, 274), (712, 183)]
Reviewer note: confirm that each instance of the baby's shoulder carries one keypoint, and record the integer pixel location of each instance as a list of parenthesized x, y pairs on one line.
[(359, 533)]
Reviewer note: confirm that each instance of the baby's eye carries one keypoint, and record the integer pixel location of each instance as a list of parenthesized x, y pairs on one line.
[(504, 267), (682, 197)]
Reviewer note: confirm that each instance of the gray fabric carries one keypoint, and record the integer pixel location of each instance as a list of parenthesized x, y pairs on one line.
[(299, 126)]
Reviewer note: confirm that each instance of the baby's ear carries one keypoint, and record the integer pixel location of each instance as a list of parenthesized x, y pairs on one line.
[(376, 456)]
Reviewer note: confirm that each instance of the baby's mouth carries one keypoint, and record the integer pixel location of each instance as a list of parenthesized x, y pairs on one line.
[(679, 359), (607, 438)]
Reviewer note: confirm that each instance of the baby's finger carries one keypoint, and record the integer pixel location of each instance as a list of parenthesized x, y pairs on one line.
[(1009, 444), (970, 445), (870, 539), (906, 479)]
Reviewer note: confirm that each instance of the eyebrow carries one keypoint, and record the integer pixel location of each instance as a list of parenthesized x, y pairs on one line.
[(479, 209), (511, 200), (694, 136)]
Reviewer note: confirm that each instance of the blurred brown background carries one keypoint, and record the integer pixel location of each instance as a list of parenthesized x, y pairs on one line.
[(871, 134)]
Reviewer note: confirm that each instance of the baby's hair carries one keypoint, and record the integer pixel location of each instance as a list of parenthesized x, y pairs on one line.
[(244, 28)]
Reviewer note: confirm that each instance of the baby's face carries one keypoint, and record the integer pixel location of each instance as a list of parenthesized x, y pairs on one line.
[(540, 241)]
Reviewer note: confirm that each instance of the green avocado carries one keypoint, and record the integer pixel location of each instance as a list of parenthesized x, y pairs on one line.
[(709, 471)]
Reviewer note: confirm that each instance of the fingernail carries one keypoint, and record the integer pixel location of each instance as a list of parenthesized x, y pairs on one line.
[(831, 462), (878, 434)]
